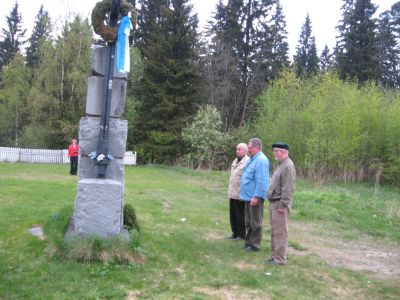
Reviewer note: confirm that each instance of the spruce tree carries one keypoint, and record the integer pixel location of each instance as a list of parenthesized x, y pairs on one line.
[(395, 16), (395, 24), (280, 48), (357, 58), (306, 58), (169, 93), (326, 63), (242, 34), (227, 26), (256, 55), (148, 17), (388, 52), (343, 29), (40, 32), (13, 37), (221, 61)]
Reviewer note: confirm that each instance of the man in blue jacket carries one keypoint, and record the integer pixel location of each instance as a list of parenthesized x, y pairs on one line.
[(253, 190)]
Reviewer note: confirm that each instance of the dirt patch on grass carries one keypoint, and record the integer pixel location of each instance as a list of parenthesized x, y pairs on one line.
[(213, 236), (382, 258), (180, 272), (132, 295), (166, 206), (230, 293), (243, 266)]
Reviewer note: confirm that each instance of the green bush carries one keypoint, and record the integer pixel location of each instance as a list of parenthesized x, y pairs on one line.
[(130, 219), (208, 144), (336, 129)]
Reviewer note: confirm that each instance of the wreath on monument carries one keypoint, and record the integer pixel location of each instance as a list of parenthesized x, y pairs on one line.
[(100, 17)]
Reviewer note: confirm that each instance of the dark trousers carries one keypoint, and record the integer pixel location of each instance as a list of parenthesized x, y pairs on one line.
[(254, 223), (74, 165), (236, 213)]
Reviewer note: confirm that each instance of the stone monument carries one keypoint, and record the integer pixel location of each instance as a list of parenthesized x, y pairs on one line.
[(98, 209)]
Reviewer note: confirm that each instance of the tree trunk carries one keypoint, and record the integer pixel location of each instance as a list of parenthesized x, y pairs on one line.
[(16, 125)]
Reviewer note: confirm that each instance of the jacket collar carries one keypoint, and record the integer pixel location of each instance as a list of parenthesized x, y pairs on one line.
[(253, 157)]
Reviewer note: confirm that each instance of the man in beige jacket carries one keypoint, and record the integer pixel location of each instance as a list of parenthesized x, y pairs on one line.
[(236, 206), (280, 194)]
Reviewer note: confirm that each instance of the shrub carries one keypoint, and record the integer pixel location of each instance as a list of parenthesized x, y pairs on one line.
[(336, 129), (207, 142), (130, 220)]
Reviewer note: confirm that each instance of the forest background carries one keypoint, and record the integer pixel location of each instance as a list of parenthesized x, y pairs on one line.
[(192, 96)]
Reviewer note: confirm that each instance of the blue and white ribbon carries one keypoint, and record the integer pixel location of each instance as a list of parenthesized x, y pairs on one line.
[(123, 58)]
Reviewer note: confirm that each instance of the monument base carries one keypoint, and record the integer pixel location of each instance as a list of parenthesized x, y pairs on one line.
[(98, 209)]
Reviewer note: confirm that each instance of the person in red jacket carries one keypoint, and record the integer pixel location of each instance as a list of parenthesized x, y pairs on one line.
[(73, 154)]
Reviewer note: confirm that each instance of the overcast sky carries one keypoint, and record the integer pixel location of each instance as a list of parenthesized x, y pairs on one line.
[(324, 15)]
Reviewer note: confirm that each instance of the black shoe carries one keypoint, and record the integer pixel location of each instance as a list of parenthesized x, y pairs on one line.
[(232, 237), (239, 238), (251, 248), (270, 260)]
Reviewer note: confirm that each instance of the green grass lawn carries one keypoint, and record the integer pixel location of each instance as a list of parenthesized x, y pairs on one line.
[(344, 241)]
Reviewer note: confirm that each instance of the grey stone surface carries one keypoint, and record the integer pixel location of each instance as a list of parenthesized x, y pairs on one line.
[(99, 59), (115, 170), (95, 97), (89, 129), (98, 208), (37, 231)]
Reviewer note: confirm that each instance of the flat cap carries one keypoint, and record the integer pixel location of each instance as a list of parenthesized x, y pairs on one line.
[(280, 145)]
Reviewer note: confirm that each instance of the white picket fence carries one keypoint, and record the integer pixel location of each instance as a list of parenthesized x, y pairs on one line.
[(46, 156)]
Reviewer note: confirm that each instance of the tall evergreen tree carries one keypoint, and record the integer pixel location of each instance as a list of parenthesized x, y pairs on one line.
[(326, 62), (280, 48), (40, 32), (343, 29), (221, 62), (306, 58), (13, 37), (242, 34), (395, 16), (148, 17), (256, 54), (388, 52), (358, 57), (169, 93), (227, 26)]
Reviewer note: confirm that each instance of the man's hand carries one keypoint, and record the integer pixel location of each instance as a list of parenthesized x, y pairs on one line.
[(254, 201), (282, 210)]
